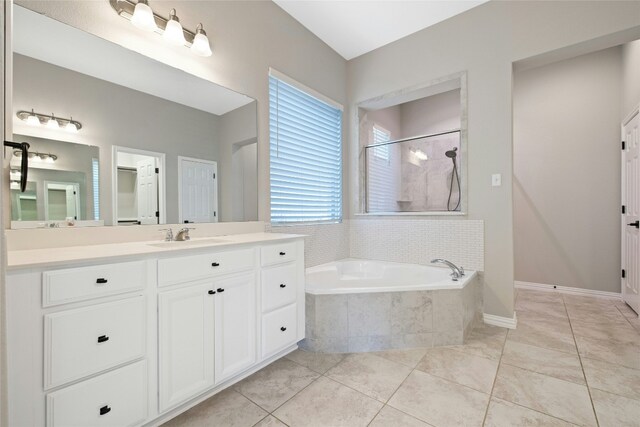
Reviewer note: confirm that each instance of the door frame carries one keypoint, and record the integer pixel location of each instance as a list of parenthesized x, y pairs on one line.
[(193, 159), (162, 187), (634, 112)]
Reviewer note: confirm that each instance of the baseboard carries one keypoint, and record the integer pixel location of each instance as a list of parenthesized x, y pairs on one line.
[(567, 290), (503, 322)]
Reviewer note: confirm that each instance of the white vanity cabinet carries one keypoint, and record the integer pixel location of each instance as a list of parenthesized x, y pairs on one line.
[(135, 340)]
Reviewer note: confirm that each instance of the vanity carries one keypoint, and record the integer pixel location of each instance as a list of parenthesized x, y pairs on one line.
[(134, 333)]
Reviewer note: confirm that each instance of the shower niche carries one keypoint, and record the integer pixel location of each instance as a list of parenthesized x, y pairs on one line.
[(412, 150)]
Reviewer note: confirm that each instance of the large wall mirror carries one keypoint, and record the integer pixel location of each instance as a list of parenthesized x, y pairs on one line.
[(137, 141)]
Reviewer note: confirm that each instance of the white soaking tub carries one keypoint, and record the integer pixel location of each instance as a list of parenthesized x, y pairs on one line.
[(356, 305)]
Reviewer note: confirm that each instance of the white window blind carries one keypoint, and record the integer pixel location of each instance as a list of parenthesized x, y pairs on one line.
[(95, 179), (306, 156), (383, 173)]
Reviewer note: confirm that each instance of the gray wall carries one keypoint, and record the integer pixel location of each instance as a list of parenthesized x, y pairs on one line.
[(566, 189), (115, 115), (630, 77), (486, 41)]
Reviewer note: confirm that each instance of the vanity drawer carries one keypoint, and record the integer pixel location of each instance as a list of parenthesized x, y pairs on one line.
[(278, 286), (79, 284), (279, 329), (117, 398), (84, 341), (195, 267), (278, 253)]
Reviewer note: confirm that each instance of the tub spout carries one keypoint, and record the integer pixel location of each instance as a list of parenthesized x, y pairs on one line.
[(456, 272)]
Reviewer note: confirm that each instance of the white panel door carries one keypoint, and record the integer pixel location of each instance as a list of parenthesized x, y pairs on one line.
[(631, 217), (198, 190), (236, 329), (147, 186), (186, 343)]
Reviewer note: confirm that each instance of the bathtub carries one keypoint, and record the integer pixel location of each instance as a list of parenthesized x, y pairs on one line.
[(355, 305), (350, 276)]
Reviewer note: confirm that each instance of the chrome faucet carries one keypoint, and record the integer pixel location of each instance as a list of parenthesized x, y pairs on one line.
[(183, 234), (169, 236), (456, 272)]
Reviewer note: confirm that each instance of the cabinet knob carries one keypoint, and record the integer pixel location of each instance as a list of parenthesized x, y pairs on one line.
[(105, 410), (282, 285), (211, 292), (220, 290), (283, 253), (215, 264), (101, 280), (103, 338), (283, 329)]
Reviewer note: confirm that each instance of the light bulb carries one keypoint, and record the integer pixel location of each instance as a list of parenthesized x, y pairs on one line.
[(70, 127), (53, 123), (200, 44), (173, 33), (50, 159), (143, 16), (32, 119)]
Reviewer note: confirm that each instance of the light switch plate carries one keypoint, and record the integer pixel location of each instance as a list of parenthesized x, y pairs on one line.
[(496, 180)]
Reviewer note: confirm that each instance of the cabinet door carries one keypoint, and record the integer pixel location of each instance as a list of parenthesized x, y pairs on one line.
[(186, 343), (236, 334)]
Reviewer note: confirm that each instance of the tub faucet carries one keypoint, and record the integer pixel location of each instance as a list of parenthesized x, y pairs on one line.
[(456, 272)]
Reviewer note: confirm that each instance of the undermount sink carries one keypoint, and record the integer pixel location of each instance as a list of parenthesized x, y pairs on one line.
[(193, 242)]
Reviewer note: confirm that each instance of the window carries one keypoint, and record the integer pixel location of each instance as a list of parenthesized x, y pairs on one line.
[(95, 178), (383, 173), (380, 136), (306, 154)]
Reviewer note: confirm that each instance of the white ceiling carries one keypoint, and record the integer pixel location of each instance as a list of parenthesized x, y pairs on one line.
[(43, 38), (355, 27)]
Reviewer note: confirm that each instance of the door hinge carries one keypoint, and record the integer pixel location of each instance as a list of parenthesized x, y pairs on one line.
[(74, 193), (214, 175), (624, 209), (157, 170), (157, 214), (214, 213), (623, 145), (624, 273)]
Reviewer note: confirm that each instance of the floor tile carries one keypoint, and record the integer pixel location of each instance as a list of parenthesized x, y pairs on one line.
[(270, 421), (612, 378), (328, 403), (227, 408), (372, 375), (546, 335), (606, 330), (616, 411), (564, 366), (390, 417), (505, 414), (460, 367), (618, 352), (275, 384), (409, 357), (558, 398), (440, 402), (539, 296), (484, 341), (546, 308), (318, 362)]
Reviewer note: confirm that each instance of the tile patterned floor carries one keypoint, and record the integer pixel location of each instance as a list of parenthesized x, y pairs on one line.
[(573, 360)]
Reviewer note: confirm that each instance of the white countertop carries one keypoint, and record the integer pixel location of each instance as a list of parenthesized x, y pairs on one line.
[(52, 257)]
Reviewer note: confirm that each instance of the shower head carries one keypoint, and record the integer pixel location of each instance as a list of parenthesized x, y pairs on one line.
[(451, 153)]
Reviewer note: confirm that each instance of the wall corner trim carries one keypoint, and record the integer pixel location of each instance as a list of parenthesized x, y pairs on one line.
[(503, 322), (567, 290)]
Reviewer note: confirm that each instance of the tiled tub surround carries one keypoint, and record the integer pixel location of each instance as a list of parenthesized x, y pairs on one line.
[(371, 320)]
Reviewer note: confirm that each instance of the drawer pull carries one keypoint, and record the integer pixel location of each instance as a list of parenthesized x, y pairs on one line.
[(283, 253), (101, 280), (105, 410), (220, 290), (103, 338), (283, 329), (282, 285), (215, 264), (211, 292)]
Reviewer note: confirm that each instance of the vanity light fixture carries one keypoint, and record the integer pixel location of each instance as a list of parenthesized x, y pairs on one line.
[(170, 28), (50, 121), (35, 155)]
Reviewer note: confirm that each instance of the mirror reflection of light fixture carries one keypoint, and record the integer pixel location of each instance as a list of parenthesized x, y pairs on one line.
[(143, 16), (170, 28), (50, 121), (173, 33), (35, 155), (420, 155)]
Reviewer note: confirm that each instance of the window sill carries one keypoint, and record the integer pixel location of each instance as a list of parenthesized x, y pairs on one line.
[(443, 213)]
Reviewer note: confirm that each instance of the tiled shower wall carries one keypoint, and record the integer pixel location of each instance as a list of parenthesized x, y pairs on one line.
[(412, 240)]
